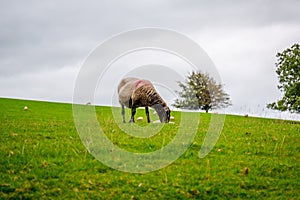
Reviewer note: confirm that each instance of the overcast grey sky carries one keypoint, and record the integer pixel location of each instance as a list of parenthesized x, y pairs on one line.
[(44, 43)]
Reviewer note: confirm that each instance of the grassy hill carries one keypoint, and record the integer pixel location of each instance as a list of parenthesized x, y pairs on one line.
[(42, 156)]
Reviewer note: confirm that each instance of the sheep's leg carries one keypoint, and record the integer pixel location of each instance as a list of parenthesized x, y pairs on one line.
[(133, 110), (147, 113), (123, 113)]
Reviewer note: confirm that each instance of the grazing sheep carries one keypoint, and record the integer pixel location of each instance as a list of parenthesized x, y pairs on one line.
[(134, 93), (25, 108)]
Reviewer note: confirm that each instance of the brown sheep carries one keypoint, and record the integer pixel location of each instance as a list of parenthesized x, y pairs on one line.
[(134, 93)]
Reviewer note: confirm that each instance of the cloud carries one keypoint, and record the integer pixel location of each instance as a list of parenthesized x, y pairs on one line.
[(51, 85), (245, 58), (43, 42)]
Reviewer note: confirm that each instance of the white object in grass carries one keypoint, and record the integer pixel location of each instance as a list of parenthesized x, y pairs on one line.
[(139, 119)]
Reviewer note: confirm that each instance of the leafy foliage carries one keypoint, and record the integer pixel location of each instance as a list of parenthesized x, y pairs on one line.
[(202, 92), (288, 70)]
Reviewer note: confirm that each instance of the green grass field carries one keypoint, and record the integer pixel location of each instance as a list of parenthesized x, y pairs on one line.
[(42, 157)]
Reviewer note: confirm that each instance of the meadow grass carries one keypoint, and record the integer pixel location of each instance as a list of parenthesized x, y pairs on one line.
[(42, 157)]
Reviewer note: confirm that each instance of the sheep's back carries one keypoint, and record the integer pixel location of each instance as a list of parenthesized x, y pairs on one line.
[(146, 95), (124, 81), (130, 85), (141, 83)]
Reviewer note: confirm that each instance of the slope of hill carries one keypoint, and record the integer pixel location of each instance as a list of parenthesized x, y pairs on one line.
[(42, 156)]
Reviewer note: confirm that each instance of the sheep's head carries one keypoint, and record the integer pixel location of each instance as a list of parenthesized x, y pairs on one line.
[(168, 114), (163, 113)]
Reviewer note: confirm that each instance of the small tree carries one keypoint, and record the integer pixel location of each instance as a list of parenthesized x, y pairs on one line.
[(288, 70), (200, 91)]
